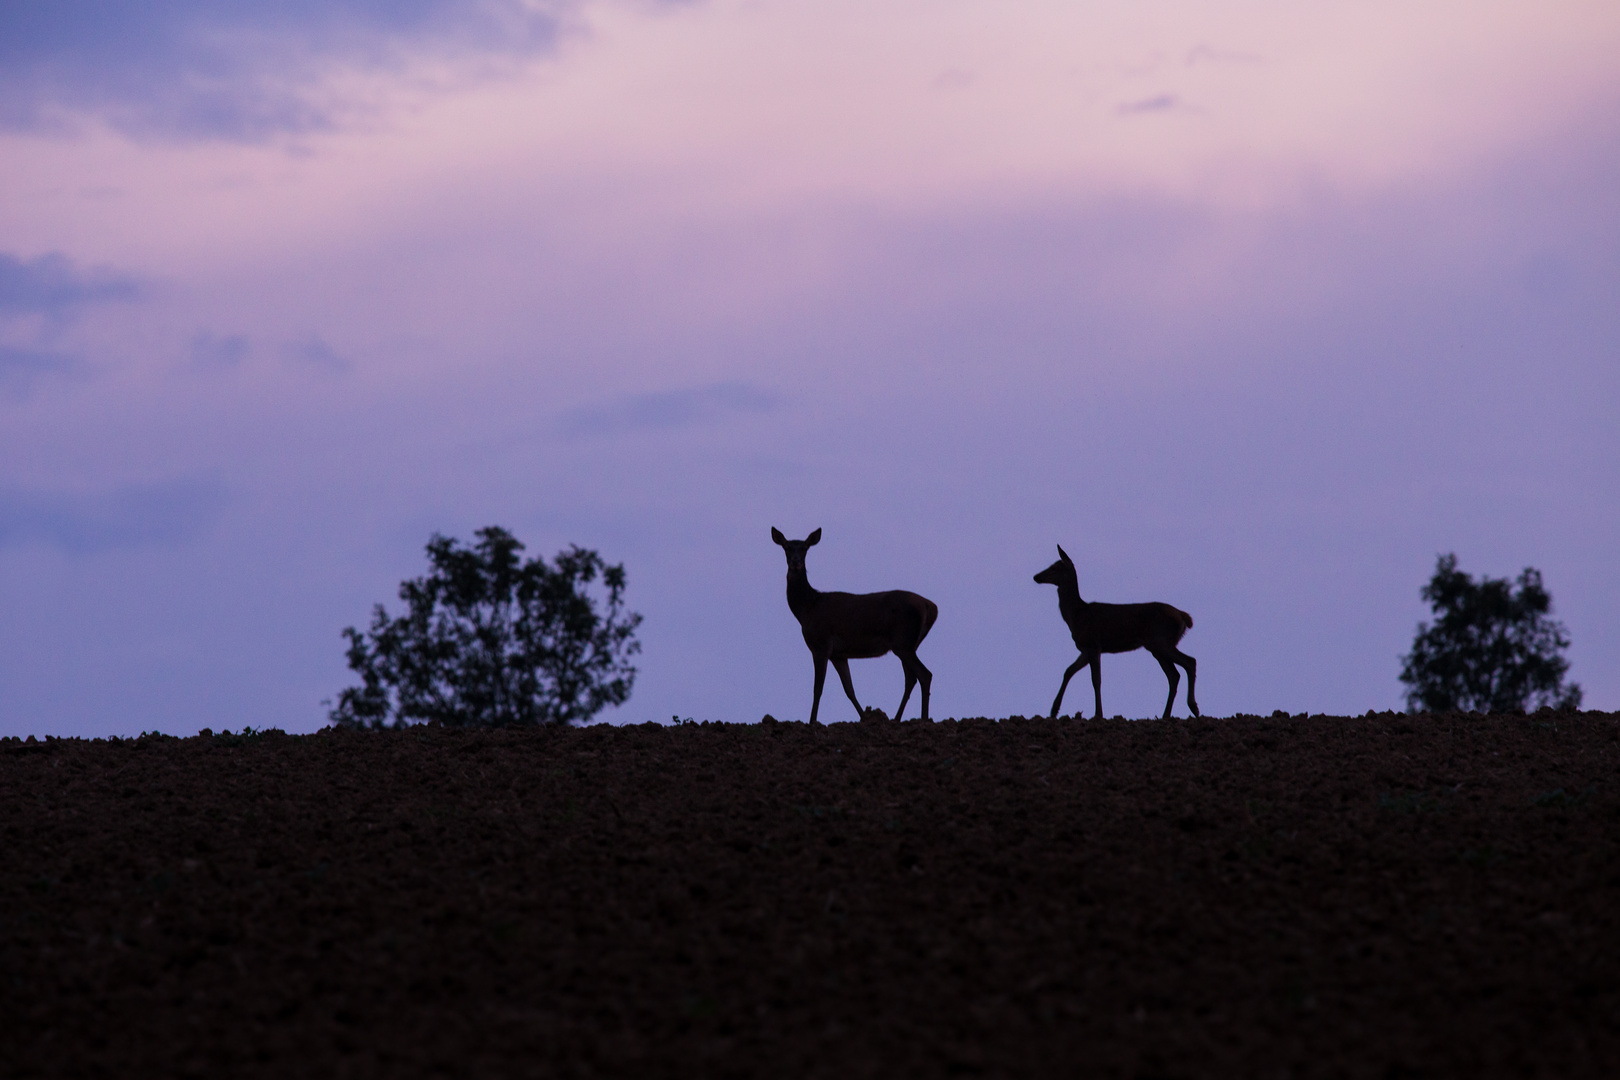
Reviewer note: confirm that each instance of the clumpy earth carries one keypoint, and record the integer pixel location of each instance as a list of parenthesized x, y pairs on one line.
[(1381, 896)]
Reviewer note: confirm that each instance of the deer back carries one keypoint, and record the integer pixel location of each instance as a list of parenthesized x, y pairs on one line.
[(1113, 628), (864, 625)]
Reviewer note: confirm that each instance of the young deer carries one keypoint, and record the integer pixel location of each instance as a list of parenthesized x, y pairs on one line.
[(1117, 628), (841, 627)]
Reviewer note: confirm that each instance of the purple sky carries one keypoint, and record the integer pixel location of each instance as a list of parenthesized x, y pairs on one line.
[(1254, 309)]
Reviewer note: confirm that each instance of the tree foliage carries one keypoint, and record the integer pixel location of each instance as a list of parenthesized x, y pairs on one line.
[(489, 640), (1490, 648)]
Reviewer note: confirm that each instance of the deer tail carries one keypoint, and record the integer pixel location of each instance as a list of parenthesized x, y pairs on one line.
[(1185, 618)]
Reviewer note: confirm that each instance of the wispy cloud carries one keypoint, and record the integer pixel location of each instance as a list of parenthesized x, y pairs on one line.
[(215, 69), (125, 517), (1156, 104), (20, 367), (39, 298), (52, 285), (668, 409), (210, 350), (316, 353)]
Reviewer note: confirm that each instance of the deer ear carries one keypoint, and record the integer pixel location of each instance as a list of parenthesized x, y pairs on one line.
[(776, 534), (813, 539), (1064, 555)]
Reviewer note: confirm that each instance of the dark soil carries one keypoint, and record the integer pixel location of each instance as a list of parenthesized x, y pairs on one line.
[(1383, 896)]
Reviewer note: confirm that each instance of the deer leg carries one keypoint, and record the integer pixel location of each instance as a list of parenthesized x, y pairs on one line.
[(915, 673), (1173, 675), (821, 679), (841, 665), (925, 677), (911, 680), (1192, 677), (1096, 680), (1067, 675)]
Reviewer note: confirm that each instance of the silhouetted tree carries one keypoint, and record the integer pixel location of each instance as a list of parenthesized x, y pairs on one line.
[(492, 641), (1490, 648)]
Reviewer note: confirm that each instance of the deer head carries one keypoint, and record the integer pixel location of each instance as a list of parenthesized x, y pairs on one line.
[(1059, 572), (795, 549)]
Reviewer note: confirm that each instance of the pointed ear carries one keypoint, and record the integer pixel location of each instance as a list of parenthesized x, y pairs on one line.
[(1064, 555), (776, 534), (813, 539)]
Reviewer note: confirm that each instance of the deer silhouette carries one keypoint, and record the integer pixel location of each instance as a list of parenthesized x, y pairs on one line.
[(1118, 628), (841, 627)]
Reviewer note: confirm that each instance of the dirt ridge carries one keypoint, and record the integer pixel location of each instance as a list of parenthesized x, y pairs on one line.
[(1384, 895)]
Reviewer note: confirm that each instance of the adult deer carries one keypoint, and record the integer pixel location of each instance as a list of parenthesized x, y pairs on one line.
[(1117, 628), (841, 626)]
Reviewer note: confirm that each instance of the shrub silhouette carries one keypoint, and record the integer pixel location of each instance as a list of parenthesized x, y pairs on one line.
[(1490, 648), (492, 641)]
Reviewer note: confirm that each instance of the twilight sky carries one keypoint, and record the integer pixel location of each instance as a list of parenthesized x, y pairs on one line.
[(1255, 307)]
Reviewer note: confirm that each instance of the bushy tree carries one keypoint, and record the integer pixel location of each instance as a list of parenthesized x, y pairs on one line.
[(1490, 648), (489, 640)]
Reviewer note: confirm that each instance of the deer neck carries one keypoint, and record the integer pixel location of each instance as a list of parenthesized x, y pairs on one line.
[(801, 595), (1070, 606)]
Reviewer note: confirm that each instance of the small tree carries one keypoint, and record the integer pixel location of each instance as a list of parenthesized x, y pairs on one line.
[(1490, 648), (490, 641)]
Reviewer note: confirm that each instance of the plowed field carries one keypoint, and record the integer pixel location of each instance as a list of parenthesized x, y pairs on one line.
[(1286, 896)]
